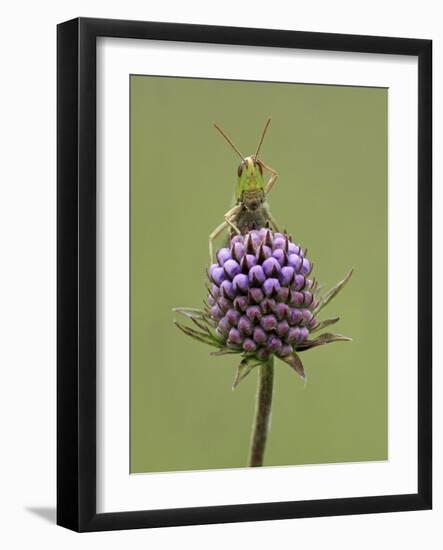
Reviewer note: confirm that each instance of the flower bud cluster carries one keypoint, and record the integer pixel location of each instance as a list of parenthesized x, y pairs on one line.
[(260, 294)]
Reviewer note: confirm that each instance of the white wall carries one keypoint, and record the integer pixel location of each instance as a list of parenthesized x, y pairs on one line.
[(27, 272)]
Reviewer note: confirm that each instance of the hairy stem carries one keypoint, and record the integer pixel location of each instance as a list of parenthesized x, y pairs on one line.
[(262, 413)]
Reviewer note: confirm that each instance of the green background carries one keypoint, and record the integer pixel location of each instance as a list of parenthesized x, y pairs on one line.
[(329, 145)]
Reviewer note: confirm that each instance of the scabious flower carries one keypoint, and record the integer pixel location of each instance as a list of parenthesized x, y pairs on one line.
[(262, 302), (261, 296)]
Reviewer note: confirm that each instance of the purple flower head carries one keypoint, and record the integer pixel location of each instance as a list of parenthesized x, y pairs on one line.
[(258, 297), (262, 303)]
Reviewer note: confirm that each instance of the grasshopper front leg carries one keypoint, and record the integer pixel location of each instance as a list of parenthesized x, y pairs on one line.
[(272, 180), (229, 217), (273, 222), (268, 187)]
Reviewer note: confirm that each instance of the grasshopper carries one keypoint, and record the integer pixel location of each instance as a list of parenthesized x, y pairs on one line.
[(251, 210)]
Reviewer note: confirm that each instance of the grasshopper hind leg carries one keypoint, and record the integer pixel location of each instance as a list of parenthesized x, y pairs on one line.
[(217, 231), (273, 222), (229, 222)]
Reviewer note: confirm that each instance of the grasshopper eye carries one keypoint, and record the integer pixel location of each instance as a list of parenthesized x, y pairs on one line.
[(260, 167), (240, 169)]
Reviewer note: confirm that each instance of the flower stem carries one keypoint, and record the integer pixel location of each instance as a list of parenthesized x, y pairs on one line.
[(262, 413)]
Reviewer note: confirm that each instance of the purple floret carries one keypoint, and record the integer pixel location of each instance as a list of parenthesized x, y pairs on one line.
[(256, 276), (268, 323), (274, 344), (231, 268), (232, 317), (295, 261), (245, 326), (271, 287), (280, 255), (254, 313), (241, 283), (222, 255), (255, 295), (271, 267), (287, 275), (241, 303), (249, 345), (227, 289), (217, 274), (260, 335), (306, 267)]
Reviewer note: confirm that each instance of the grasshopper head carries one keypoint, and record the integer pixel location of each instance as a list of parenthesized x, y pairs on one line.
[(250, 170), (250, 176)]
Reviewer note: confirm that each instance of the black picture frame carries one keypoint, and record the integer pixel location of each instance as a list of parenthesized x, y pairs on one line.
[(76, 279)]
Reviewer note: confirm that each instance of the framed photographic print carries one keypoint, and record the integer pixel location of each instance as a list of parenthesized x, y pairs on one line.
[(250, 210)]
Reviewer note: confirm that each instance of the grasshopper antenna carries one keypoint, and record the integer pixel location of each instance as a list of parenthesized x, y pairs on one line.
[(268, 122), (228, 140)]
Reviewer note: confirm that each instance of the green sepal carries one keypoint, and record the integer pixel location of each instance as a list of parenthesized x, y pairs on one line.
[(323, 324), (324, 300), (195, 314), (294, 361), (200, 336), (200, 324), (326, 338), (189, 311), (244, 368), (200, 318), (225, 351)]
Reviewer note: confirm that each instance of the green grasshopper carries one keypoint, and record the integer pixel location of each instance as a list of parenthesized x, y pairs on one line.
[(251, 211)]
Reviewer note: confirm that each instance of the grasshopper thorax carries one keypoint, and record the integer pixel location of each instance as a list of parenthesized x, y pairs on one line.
[(252, 200), (251, 196)]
